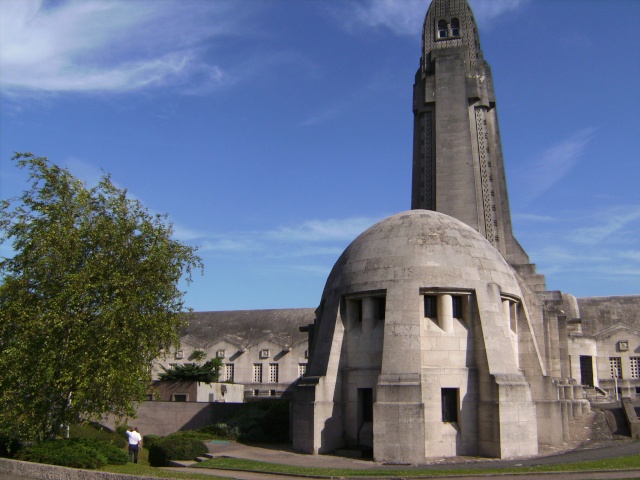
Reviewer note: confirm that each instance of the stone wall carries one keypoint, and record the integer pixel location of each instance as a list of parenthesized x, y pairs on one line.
[(52, 472), (163, 418)]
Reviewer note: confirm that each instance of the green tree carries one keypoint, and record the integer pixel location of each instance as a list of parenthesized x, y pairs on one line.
[(87, 300), (208, 372)]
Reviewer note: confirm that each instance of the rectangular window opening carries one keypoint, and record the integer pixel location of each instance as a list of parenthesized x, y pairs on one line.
[(381, 306), (457, 306), (431, 306), (635, 367), (273, 373), (615, 364), (450, 405), (257, 373), (229, 372)]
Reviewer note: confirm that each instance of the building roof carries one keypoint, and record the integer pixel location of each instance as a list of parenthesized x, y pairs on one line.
[(601, 313), (434, 249), (245, 328)]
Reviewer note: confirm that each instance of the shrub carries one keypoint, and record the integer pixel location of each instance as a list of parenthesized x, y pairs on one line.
[(222, 431), (266, 422), (121, 431), (275, 423), (97, 432), (175, 448), (66, 453), (149, 440), (9, 447), (115, 455)]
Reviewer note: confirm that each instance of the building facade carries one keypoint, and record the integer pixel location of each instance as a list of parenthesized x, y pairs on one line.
[(435, 334), (263, 350)]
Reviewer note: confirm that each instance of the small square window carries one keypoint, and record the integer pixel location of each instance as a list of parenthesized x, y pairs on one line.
[(179, 355), (264, 353), (220, 354), (623, 345)]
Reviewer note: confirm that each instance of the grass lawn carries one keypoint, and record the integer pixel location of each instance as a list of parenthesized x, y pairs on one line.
[(143, 469), (620, 463)]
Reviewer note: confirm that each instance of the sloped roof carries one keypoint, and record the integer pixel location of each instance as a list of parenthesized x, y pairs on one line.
[(244, 328), (601, 313)]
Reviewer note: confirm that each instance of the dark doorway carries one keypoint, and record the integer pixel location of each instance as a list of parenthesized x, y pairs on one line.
[(365, 418), (586, 370), (365, 405)]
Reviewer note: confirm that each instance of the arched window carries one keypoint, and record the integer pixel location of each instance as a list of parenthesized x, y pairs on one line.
[(455, 27), (442, 29)]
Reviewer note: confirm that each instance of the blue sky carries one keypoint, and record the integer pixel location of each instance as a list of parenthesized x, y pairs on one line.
[(273, 132)]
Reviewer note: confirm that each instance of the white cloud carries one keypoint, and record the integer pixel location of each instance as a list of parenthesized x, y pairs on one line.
[(487, 11), (607, 225), (323, 230), (405, 17), (532, 217), (552, 165), (106, 45)]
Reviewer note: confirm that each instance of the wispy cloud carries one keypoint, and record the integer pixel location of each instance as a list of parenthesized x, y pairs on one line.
[(107, 45), (310, 239), (488, 11), (405, 17), (610, 224), (323, 230), (595, 249), (552, 165), (533, 218)]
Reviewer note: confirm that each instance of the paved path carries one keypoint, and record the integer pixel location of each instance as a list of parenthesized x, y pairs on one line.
[(283, 454)]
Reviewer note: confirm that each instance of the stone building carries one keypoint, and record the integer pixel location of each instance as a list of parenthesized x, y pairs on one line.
[(435, 334), (263, 350)]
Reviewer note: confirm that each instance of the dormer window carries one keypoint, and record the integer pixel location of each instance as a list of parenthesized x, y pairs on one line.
[(455, 27), (443, 32)]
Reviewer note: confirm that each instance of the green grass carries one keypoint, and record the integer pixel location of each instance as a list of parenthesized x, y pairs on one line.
[(143, 470), (620, 463)]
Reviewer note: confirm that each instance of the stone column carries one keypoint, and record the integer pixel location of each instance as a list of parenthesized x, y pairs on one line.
[(368, 314), (445, 312)]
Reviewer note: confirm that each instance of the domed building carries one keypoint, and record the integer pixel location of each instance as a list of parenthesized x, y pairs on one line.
[(435, 335), (424, 346)]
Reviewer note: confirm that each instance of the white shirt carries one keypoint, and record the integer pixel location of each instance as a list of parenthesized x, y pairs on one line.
[(134, 437)]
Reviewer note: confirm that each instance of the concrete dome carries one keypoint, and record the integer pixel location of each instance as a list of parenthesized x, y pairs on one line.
[(421, 249)]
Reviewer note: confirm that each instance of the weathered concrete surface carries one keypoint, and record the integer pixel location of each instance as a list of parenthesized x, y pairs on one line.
[(26, 470)]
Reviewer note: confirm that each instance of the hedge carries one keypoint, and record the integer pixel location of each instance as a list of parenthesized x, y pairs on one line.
[(166, 449)]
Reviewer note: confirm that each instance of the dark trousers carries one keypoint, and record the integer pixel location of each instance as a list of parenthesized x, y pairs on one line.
[(133, 453)]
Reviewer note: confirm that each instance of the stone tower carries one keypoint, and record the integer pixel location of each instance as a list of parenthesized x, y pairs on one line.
[(457, 156)]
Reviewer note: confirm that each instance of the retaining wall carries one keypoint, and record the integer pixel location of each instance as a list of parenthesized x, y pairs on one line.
[(163, 418), (39, 471)]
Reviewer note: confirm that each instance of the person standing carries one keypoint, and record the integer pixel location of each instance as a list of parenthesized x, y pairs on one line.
[(135, 443)]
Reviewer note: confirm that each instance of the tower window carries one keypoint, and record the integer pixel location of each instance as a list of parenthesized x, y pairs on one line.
[(442, 29), (455, 27), (381, 306), (457, 306), (431, 306)]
